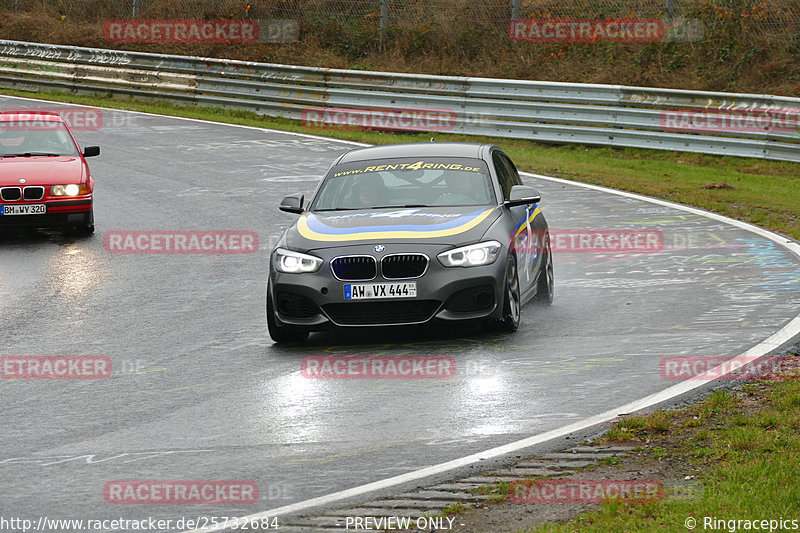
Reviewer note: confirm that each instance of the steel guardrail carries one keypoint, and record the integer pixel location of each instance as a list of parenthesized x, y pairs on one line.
[(549, 112)]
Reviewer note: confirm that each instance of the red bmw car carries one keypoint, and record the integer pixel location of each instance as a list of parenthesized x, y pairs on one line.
[(44, 179)]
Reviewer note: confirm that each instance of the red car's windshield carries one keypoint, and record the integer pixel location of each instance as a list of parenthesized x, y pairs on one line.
[(35, 137)]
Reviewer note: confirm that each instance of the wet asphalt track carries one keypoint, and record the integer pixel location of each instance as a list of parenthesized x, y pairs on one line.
[(199, 391)]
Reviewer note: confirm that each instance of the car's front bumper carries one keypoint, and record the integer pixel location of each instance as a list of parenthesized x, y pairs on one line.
[(317, 301), (59, 213)]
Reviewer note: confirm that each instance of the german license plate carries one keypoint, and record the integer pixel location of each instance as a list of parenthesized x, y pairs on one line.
[(370, 291), (23, 209)]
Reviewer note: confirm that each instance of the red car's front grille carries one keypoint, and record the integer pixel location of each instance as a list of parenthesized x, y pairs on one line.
[(10, 194), (34, 192)]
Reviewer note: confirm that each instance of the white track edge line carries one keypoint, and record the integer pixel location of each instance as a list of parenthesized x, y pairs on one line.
[(774, 341), (297, 134), (780, 239), (785, 334)]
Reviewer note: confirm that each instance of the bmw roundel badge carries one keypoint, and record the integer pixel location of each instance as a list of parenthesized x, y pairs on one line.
[(379, 248)]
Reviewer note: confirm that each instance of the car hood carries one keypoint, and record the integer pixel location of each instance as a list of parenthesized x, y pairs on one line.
[(429, 225), (39, 170)]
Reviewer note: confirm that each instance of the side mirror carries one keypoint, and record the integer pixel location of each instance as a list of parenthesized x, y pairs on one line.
[(91, 151), (523, 195), (292, 204)]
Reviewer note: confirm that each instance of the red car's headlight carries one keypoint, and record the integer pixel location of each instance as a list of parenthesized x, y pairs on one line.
[(71, 189)]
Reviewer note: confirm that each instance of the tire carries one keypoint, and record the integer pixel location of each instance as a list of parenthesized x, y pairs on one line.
[(85, 230), (545, 287), (82, 230), (512, 304), (282, 334)]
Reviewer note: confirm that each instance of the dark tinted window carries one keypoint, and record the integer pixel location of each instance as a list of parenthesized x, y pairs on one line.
[(513, 170), (406, 182), (506, 173)]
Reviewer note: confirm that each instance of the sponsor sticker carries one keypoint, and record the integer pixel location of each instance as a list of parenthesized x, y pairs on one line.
[(417, 165)]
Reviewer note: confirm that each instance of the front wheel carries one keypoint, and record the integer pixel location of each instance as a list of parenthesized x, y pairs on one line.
[(281, 334), (84, 229), (511, 302), (545, 288)]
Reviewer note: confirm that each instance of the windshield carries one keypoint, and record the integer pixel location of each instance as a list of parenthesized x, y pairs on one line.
[(35, 137), (406, 182)]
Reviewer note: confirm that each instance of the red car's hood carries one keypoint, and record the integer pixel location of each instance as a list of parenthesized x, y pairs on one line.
[(39, 170)]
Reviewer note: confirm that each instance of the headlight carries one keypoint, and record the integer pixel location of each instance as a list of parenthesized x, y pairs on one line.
[(69, 190), (295, 262), (484, 253)]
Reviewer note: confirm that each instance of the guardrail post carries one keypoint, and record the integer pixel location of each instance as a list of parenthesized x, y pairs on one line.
[(384, 14), (384, 20), (670, 10), (514, 9)]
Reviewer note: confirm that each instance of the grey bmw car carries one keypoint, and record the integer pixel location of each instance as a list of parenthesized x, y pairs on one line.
[(408, 234)]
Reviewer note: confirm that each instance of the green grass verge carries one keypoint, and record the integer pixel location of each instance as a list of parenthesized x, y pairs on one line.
[(766, 193), (748, 445)]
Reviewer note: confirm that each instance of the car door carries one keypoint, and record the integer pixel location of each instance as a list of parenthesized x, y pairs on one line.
[(528, 223)]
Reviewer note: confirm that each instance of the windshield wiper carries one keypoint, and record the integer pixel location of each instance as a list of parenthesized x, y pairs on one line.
[(370, 207), (394, 206), (30, 154)]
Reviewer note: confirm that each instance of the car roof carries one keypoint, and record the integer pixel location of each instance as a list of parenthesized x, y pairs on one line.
[(431, 149), (30, 114)]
